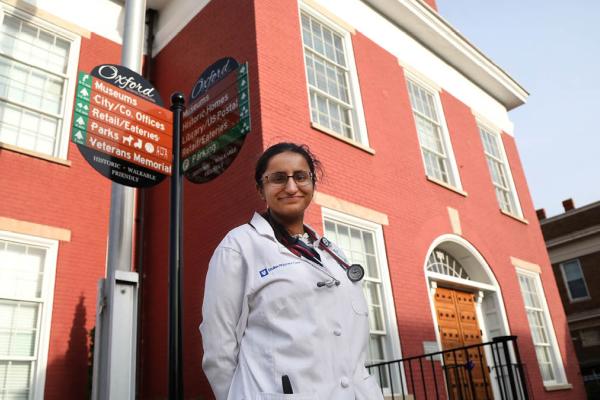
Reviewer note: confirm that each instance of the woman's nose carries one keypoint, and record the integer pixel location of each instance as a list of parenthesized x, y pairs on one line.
[(290, 185)]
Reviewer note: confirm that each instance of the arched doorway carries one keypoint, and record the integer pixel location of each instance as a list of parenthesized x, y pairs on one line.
[(467, 307)]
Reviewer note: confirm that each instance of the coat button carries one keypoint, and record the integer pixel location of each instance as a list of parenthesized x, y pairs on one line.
[(344, 382), (337, 332)]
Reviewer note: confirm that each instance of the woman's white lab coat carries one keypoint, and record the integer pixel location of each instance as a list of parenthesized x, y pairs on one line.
[(264, 317)]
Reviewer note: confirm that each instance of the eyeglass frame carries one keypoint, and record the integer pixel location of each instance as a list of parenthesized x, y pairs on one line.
[(311, 179)]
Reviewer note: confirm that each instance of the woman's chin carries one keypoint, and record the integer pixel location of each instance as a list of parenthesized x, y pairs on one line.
[(289, 212)]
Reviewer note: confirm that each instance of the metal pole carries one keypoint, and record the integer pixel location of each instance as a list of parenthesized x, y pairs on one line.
[(122, 199), (116, 323), (175, 312), (511, 376)]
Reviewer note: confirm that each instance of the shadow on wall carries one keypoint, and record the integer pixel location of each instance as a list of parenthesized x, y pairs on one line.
[(76, 357)]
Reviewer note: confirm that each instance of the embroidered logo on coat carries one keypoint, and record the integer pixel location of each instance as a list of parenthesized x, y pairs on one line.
[(265, 271)]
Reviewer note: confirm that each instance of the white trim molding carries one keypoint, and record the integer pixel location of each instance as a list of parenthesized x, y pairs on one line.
[(346, 207), (435, 33), (33, 229), (526, 265), (558, 370), (393, 347), (47, 296)]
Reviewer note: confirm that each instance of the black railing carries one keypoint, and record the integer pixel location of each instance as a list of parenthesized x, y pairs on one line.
[(483, 371)]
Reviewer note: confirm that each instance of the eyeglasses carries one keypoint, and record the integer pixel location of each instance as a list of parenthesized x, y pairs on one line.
[(302, 178)]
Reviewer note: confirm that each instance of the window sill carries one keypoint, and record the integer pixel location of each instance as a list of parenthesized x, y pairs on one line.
[(337, 136), (521, 220), (35, 154), (558, 386), (446, 186), (579, 299)]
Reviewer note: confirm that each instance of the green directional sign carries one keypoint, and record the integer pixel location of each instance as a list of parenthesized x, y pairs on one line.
[(82, 108)]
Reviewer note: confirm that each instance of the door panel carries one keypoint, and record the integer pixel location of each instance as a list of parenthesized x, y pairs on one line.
[(466, 371)]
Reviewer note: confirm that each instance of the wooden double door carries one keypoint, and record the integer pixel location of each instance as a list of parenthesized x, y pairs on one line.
[(465, 370)]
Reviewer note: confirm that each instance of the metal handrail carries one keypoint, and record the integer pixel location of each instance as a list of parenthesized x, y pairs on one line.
[(499, 375)]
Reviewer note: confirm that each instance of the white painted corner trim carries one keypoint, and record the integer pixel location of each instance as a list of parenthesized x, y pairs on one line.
[(434, 32)]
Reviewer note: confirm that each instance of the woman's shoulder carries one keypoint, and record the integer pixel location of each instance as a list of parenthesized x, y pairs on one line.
[(239, 236)]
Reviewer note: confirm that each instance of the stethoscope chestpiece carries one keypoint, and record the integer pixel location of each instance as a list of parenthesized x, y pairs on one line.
[(355, 273)]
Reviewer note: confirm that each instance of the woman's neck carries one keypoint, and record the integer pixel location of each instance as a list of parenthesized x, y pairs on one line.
[(293, 226)]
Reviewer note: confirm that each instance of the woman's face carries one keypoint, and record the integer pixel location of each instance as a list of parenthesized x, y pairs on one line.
[(287, 201)]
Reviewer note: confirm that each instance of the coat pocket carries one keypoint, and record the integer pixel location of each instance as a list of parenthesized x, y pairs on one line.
[(359, 304), (279, 396)]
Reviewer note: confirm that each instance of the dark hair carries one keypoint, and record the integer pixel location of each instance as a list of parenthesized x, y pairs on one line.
[(302, 149)]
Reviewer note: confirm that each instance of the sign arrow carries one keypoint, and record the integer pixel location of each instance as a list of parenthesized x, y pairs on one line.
[(78, 137), (84, 92)]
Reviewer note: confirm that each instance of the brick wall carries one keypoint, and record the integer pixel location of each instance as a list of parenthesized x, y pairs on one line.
[(267, 34), (72, 197)]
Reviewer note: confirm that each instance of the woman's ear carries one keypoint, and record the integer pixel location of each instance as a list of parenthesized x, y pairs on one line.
[(261, 192)]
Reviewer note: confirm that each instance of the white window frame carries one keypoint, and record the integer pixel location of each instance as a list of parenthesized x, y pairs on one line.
[(558, 367), (392, 345), (358, 116), (511, 183), (63, 134), (446, 142), (564, 276), (51, 247)]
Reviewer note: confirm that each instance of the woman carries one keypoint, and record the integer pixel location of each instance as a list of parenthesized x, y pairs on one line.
[(281, 314)]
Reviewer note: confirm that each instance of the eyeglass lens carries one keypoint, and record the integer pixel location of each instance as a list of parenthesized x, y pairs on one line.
[(281, 178)]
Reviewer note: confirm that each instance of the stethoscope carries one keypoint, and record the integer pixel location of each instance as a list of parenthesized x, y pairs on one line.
[(355, 272)]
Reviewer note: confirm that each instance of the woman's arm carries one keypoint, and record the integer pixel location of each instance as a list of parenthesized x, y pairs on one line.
[(222, 311)]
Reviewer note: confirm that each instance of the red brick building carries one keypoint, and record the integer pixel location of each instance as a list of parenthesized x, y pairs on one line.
[(423, 183)]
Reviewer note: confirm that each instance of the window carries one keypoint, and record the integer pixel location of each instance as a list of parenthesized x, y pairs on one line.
[(590, 337), (434, 143), (544, 341), (359, 246), (35, 84), (332, 83), (442, 262), (26, 281), (498, 166), (574, 280)]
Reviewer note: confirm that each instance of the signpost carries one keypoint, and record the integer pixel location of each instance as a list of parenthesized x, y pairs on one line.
[(217, 121), (120, 127), (122, 130)]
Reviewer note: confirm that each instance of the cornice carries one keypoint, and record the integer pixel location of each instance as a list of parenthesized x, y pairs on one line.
[(427, 27)]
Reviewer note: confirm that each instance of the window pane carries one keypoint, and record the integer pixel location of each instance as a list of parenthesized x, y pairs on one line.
[(15, 379), (18, 328), (575, 280), (578, 289)]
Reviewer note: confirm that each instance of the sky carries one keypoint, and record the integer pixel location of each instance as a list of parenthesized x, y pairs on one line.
[(552, 49)]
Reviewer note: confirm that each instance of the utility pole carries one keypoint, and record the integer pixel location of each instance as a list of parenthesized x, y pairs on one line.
[(117, 307)]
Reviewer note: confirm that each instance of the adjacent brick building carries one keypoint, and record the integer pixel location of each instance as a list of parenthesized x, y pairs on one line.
[(573, 242), (423, 182)]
